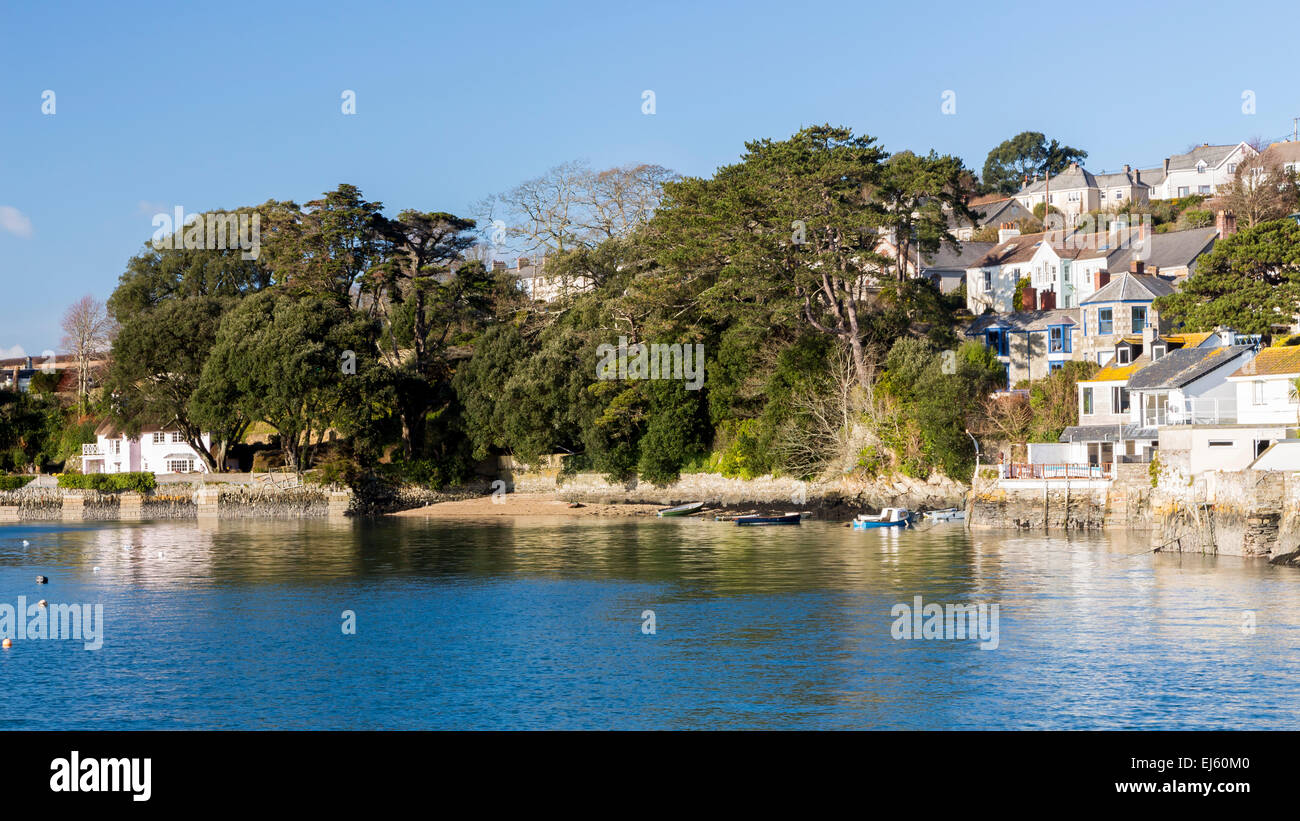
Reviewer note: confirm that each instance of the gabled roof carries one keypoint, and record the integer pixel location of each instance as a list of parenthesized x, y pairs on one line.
[(1015, 249), (1071, 178), (1172, 249), (1022, 321), (1180, 367), (1212, 155), (947, 258), (1272, 362), (1128, 287)]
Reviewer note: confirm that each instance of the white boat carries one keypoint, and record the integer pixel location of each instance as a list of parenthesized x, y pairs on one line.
[(887, 517), (948, 514)]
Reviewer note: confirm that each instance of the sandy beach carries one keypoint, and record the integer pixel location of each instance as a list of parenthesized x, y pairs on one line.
[(524, 504)]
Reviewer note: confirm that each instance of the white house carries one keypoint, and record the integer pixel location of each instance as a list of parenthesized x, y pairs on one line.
[(153, 451), (1075, 192), (1200, 171), (1266, 389)]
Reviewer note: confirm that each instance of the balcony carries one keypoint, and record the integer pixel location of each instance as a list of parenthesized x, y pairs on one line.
[(91, 450), (1060, 471), (1190, 412)]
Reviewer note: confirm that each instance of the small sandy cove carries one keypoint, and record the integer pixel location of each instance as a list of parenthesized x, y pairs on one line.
[(524, 504)]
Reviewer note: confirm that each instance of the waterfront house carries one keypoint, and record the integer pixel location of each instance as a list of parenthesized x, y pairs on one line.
[(1029, 344), (154, 451), (1199, 171), (1266, 387)]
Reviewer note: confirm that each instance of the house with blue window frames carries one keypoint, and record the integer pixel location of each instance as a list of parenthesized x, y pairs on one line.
[(1121, 311), (1030, 344)]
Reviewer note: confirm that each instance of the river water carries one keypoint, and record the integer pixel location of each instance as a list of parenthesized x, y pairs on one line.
[(546, 623)]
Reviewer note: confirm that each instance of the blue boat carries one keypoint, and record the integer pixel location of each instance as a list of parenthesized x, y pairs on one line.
[(787, 519), (888, 517)]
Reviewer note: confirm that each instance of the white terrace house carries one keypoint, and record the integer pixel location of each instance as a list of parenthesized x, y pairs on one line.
[(153, 451), (1200, 171)]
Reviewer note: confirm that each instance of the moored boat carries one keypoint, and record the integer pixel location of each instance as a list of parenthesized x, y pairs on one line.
[(681, 510), (948, 514), (787, 519), (887, 517)]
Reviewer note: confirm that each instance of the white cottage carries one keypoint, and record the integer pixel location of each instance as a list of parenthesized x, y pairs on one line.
[(153, 451)]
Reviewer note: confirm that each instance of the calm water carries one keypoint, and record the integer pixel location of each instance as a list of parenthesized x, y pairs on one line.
[(539, 625)]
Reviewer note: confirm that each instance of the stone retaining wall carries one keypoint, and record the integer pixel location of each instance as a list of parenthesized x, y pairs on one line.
[(177, 501)]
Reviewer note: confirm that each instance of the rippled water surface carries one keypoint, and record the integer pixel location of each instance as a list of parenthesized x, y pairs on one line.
[(538, 624)]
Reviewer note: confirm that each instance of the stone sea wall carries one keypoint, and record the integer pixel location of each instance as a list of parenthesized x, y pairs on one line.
[(174, 501)]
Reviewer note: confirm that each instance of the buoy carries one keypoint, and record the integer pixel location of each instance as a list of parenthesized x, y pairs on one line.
[(41, 580), (7, 643), (41, 603), (26, 543)]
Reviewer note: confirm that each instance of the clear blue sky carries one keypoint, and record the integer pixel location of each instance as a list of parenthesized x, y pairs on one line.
[(225, 105)]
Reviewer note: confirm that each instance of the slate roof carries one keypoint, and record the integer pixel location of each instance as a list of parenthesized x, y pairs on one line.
[(1015, 249), (1071, 178), (1179, 367), (1104, 433), (947, 258), (1194, 340), (1114, 372), (1173, 249), (1214, 155), (1131, 287), (1272, 362), (1022, 321)]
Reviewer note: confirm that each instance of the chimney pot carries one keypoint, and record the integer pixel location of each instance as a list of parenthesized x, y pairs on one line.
[(1047, 300), (521, 263), (1137, 266), (1028, 299)]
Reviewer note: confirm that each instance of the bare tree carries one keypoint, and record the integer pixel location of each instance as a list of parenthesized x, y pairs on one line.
[(88, 333), (571, 206), (1259, 191)]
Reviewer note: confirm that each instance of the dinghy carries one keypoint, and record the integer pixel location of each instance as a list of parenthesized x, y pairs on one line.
[(888, 517), (787, 519), (948, 514), (681, 510)]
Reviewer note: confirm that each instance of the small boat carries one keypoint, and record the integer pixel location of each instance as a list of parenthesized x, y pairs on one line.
[(681, 510), (787, 519), (948, 514), (888, 517)]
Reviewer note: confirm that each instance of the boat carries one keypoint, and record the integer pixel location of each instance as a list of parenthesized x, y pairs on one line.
[(887, 517), (948, 514), (786, 519), (681, 510)]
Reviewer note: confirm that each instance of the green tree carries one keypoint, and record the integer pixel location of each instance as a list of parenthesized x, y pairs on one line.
[(1026, 154), (1249, 281)]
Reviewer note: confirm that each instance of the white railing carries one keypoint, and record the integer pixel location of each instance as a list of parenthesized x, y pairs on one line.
[(1190, 412), (91, 450)]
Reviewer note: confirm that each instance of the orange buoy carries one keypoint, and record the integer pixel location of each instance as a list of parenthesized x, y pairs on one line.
[(7, 643)]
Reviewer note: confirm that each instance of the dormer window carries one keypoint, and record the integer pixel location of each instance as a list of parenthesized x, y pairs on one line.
[(1200, 167), (1123, 354), (1157, 351)]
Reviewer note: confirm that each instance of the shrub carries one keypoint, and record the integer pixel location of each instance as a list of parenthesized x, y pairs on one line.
[(142, 482), (15, 482)]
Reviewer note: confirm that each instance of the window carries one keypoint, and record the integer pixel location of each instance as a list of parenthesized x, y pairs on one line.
[(1119, 195), (1204, 189), (1221, 443), (1052, 367), (1200, 167), (996, 338), (115, 447), (1058, 339), (1123, 354), (988, 280), (178, 437), (1086, 396), (1118, 400), (159, 437), (1258, 394), (1232, 168), (180, 465), (1139, 317), (1073, 196), (1183, 190), (1105, 321)]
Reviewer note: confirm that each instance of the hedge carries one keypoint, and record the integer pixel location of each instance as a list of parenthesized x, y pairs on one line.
[(109, 482), (15, 482)]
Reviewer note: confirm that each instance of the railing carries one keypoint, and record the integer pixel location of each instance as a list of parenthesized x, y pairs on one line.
[(1059, 471), (91, 450), (1191, 412)]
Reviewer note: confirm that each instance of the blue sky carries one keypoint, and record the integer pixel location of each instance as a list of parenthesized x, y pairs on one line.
[(208, 106)]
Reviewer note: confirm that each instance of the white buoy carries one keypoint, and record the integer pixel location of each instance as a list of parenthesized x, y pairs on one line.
[(26, 543)]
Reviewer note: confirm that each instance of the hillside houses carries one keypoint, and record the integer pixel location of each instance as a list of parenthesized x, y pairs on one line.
[(1075, 191), (1199, 171)]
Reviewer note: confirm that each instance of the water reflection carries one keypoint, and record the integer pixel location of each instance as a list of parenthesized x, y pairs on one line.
[(537, 624)]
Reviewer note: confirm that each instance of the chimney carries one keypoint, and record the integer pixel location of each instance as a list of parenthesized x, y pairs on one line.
[(498, 265), (1166, 166), (28, 365), (1127, 168), (1006, 231), (1137, 266), (521, 263), (1103, 279), (1047, 300), (1028, 298), (1225, 223), (1137, 175)]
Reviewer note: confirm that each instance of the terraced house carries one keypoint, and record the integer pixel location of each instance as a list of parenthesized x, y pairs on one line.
[(1199, 171), (1029, 344), (1075, 191)]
